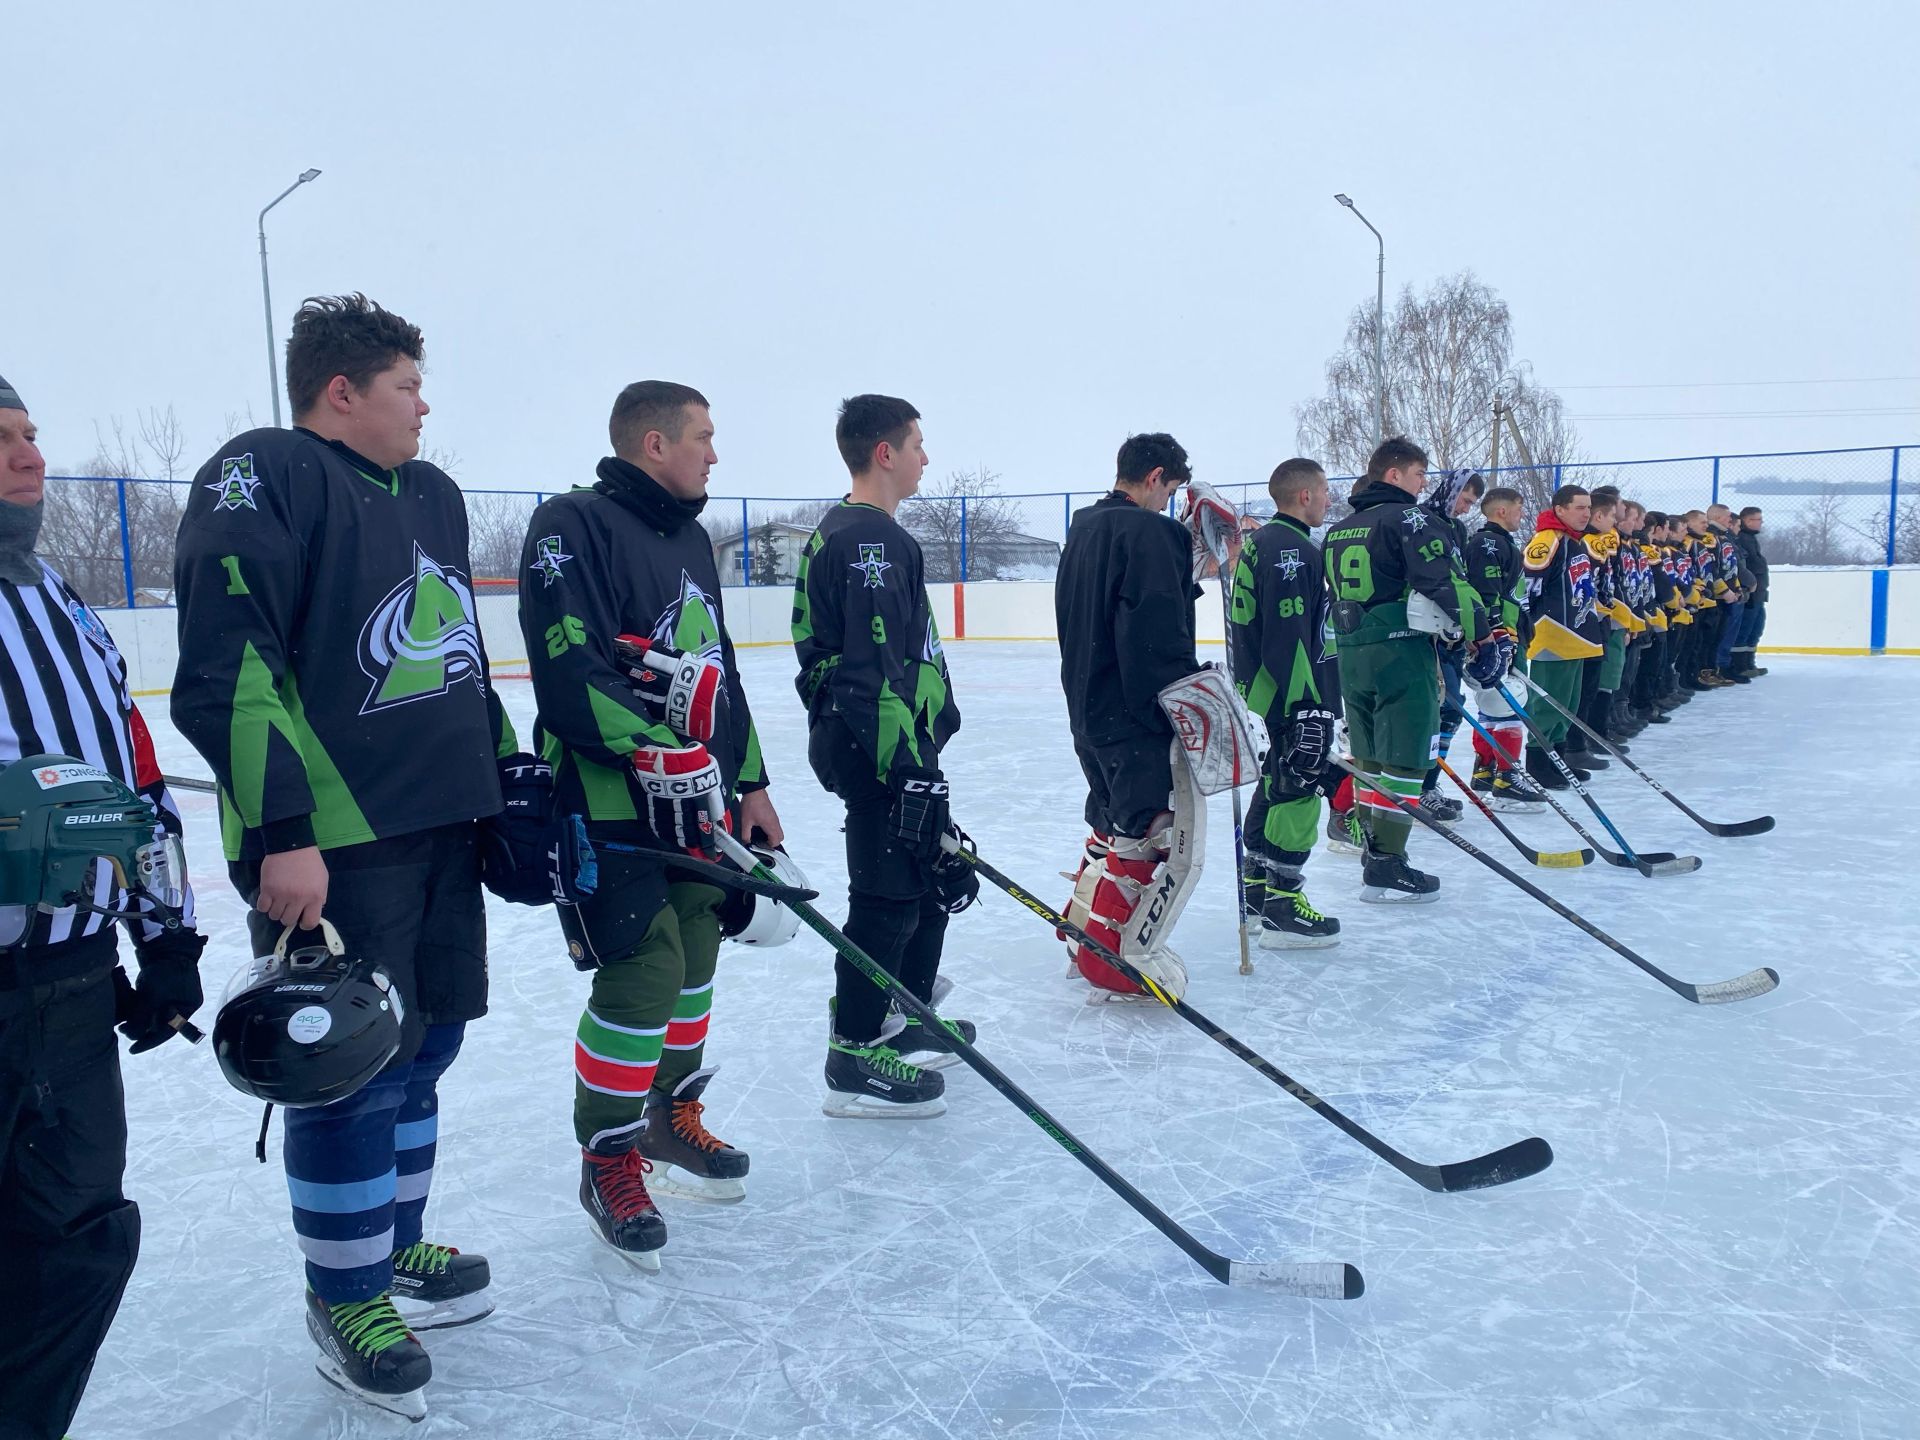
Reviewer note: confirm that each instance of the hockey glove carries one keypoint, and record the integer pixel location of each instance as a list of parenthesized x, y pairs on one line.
[(514, 843), (955, 883), (151, 1011), (681, 789), (1309, 739), (919, 816), (1490, 662), (681, 691)]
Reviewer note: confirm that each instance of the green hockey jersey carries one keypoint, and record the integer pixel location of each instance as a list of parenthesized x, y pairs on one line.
[(1282, 634)]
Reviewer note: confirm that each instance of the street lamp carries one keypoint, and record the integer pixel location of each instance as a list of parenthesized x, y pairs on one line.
[(266, 295), (1379, 325)]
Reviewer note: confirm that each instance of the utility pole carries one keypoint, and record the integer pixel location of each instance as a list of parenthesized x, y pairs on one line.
[(266, 294), (1379, 326)]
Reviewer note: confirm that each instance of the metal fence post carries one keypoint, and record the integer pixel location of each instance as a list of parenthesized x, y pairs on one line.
[(126, 545), (1716, 479), (1066, 515), (1893, 507), (746, 546), (963, 538)]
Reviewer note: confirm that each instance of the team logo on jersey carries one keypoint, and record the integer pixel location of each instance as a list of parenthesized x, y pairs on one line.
[(422, 639), (549, 558), (89, 625), (236, 484), (873, 563), (1416, 520), (1580, 587), (1289, 564), (691, 624)]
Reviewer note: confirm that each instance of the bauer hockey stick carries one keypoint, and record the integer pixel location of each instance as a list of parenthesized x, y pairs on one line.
[(1314, 1281), (1513, 1162), (1546, 859), (1655, 863), (1757, 826), (1741, 987)]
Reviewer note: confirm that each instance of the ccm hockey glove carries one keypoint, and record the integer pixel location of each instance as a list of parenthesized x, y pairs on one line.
[(681, 691), (681, 789), (919, 817), (1309, 737)]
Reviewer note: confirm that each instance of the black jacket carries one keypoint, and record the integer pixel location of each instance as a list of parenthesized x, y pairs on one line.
[(1749, 543), (1123, 604)]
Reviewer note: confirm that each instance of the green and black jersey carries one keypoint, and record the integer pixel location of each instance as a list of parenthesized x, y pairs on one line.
[(622, 557), (865, 635), (1387, 549), (1282, 634), (331, 668), (1494, 569)]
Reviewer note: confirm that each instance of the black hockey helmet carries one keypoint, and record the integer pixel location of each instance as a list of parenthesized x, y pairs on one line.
[(307, 1026)]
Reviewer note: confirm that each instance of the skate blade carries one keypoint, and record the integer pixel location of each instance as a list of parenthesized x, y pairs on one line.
[(444, 1314), (412, 1405), (1099, 995), (867, 1107), (1340, 847), (672, 1180), (647, 1260), (1516, 807), (1380, 895), (1281, 940)]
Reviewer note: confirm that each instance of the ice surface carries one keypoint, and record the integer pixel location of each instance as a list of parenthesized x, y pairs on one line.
[(1725, 1246)]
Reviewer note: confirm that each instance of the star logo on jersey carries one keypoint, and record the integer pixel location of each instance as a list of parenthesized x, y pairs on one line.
[(1289, 564), (422, 639), (549, 557), (873, 563), (1416, 520), (236, 484)]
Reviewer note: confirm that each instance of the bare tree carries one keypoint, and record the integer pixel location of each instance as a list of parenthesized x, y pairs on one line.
[(165, 440), (969, 499), (1819, 534), (496, 532)]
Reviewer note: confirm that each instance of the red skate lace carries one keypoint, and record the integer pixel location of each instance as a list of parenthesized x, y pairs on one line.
[(622, 1183), (688, 1126)]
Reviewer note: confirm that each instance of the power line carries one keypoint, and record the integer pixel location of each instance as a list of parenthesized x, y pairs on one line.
[(1746, 414), (1731, 384)]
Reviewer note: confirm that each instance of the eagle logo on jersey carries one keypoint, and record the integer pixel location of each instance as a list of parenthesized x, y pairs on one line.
[(422, 638), (549, 558), (1289, 564), (236, 484), (691, 624), (873, 564)]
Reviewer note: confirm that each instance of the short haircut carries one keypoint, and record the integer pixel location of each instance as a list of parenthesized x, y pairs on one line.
[(1749, 510), (650, 405), (1500, 495), (1605, 495), (1633, 505), (1655, 519), (1694, 515), (1141, 455), (1567, 494), (1289, 476), (344, 335), (1395, 453), (870, 420)]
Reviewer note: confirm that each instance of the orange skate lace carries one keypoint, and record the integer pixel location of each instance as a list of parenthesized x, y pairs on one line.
[(687, 1125)]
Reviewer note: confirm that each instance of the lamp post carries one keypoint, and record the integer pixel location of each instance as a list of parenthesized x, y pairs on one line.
[(1379, 326), (266, 295)]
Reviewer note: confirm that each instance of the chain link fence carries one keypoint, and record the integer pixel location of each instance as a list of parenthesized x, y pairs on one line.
[(113, 539)]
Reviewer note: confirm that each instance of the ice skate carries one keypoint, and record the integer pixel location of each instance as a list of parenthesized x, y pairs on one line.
[(929, 1047), (367, 1350), (613, 1192), (1390, 880), (869, 1081), (1512, 791), (435, 1287), (1443, 809), (688, 1159), (1288, 922), (1343, 833)]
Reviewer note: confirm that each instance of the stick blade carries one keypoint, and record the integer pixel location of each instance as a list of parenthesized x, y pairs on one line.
[(1741, 987), (1665, 863), (1562, 859), (1760, 825), (1515, 1162), (1324, 1280)]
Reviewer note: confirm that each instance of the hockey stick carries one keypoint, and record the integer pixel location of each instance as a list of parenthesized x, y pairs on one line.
[(1741, 987), (1513, 1162), (724, 876), (1758, 826), (1662, 862), (1546, 859), (1239, 815), (1314, 1281), (182, 782), (1612, 857)]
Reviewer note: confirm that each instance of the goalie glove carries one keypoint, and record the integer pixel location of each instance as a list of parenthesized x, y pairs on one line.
[(1309, 740), (1215, 526), (680, 690), (681, 791)]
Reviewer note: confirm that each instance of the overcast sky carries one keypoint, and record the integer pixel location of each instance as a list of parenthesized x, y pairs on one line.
[(1047, 225)]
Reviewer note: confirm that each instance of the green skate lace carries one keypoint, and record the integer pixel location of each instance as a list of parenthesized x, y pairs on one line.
[(1300, 906), (887, 1061), (424, 1257), (370, 1326)]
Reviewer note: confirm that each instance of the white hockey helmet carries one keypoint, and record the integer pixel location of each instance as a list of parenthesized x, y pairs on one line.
[(749, 919)]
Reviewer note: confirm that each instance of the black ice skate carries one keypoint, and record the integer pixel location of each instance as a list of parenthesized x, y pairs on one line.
[(930, 1047), (367, 1351), (1288, 922), (613, 1192), (688, 1159), (1483, 777), (1543, 772), (1343, 832), (435, 1287), (1390, 880), (1513, 791), (869, 1080), (1443, 808)]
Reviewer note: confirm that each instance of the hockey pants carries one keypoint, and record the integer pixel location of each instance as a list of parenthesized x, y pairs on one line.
[(1561, 680)]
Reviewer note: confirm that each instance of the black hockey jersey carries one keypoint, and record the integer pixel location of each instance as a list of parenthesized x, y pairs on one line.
[(1123, 607), (622, 557), (331, 668), (1282, 634), (1494, 570), (1387, 549)]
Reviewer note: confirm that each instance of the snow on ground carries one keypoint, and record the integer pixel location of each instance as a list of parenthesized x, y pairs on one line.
[(1727, 1244)]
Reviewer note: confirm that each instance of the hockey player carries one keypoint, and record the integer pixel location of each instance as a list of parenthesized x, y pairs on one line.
[(1123, 608), (1454, 494), (1398, 584), (332, 675), (1601, 675), (1645, 689), (1747, 537), (1282, 646), (646, 725), (67, 1229), (880, 710), (1738, 581), (1563, 612), (1493, 567)]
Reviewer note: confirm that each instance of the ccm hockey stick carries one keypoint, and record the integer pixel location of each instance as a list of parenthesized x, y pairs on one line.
[(1741, 987), (1313, 1281), (1513, 1162), (1546, 859), (1661, 862), (1757, 826)]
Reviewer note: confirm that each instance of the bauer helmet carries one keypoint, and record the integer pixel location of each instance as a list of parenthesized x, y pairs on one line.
[(307, 1026), (751, 919)]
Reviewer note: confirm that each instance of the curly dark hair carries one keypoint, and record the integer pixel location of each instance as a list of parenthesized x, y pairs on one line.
[(1141, 455), (344, 335)]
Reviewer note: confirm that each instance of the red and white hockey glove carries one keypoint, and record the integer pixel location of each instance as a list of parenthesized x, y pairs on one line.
[(681, 788), (681, 691)]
